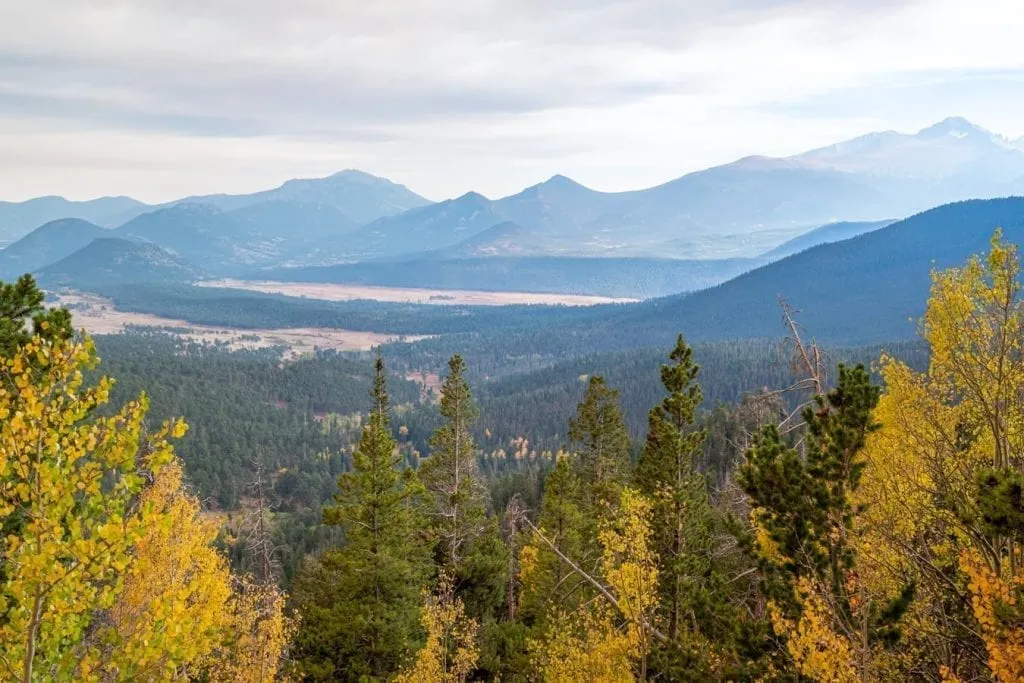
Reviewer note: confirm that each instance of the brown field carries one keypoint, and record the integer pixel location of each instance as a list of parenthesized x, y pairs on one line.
[(98, 316), (332, 292)]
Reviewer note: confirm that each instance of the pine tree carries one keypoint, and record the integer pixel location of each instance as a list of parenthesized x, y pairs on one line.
[(450, 474), (692, 587), (22, 303), (601, 441), (805, 527), (360, 603), (667, 473), (470, 551)]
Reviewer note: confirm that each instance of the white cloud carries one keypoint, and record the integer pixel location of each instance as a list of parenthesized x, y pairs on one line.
[(164, 98)]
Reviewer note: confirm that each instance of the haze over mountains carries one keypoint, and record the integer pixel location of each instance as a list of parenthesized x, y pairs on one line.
[(732, 217)]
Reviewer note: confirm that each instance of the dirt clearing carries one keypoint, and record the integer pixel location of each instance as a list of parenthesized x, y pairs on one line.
[(99, 316)]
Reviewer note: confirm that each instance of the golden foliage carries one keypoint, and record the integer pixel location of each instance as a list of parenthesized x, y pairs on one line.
[(172, 611), (67, 482), (589, 647), (818, 652), (451, 651), (259, 632), (992, 596), (105, 577), (605, 642), (940, 429)]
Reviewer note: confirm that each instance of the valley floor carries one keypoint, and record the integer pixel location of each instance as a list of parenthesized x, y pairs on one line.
[(336, 292)]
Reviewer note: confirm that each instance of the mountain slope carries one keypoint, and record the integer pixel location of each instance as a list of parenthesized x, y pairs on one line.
[(46, 244), (205, 235), (360, 196), (744, 203), (832, 232), (560, 205), (504, 239), (867, 289), (432, 227), (19, 218), (112, 260), (297, 222)]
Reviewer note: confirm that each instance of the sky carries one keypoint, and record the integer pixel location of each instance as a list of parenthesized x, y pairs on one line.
[(158, 99)]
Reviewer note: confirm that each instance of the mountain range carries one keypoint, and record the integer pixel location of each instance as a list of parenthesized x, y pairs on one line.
[(349, 198), (739, 209), (739, 215)]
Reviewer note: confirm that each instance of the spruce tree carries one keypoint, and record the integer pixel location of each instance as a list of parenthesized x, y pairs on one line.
[(361, 602), (601, 442), (469, 546), (667, 473)]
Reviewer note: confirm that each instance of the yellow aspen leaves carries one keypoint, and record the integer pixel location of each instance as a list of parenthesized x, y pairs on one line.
[(451, 650), (109, 572), (258, 635), (604, 642), (171, 612), (66, 488), (817, 651), (994, 599)]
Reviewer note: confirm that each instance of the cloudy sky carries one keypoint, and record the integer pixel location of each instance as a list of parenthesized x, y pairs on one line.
[(162, 98)]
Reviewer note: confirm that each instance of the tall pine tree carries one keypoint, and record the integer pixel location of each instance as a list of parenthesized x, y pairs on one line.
[(450, 474), (695, 604), (469, 548), (601, 443), (361, 602), (667, 473)]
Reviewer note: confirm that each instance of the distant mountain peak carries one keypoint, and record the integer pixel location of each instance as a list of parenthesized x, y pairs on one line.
[(559, 180), (472, 196), (954, 126), (346, 175)]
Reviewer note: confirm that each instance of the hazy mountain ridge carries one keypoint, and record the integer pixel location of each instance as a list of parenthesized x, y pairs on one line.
[(47, 244), (832, 232), (431, 227), (114, 260), (19, 218), (360, 196), (739, 210)]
